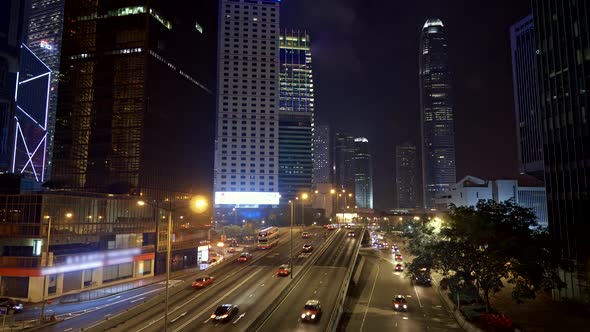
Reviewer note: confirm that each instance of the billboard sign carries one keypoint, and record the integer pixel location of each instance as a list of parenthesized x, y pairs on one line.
[(246, 198)]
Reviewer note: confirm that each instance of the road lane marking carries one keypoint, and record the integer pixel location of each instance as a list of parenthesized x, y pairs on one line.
[(136, 300), (68, 329), (114, 298), (240, 317), (214, 304), (418, 297), (179, 317), (370, 297)]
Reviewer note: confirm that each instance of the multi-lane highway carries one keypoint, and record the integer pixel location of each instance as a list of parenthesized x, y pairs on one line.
[(323, 282), (379, 283), (185, 302)]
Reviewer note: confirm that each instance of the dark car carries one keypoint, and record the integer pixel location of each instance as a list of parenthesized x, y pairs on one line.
[(312, 311), (400, 303), (11, 305), (351, 234), (422, 277), (202, 282), (399, 267), (224, 313), (399, 257), (307, 248)]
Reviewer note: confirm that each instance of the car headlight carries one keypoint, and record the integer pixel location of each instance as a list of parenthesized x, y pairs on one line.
[(313, 316), (224, 316), (213, 316), (302, 315), (396, 305), (405, 306)]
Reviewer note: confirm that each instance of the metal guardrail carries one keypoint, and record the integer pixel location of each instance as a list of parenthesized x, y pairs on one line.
[(257, 323), (339, 307)]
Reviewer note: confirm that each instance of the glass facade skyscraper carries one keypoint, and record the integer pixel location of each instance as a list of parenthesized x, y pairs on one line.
[(437, 119), (45, 26), (406, 176), (247, 139), (135, 106), (526, 97), (363, 174), (563, 39), (344, 151), (296, 114)]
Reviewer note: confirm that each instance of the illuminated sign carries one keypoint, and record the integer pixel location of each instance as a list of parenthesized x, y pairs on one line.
[(44, 44), (37, 244), (247, 198), (94, 260)]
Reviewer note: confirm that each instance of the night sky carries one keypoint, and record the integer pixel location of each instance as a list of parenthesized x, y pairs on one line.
[(365, 63)]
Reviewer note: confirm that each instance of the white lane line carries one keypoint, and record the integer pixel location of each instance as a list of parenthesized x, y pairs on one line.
[(114, 298), (137, 300), (179, 317), (370, 297), (68, 329), (418, 297), (214, 304)]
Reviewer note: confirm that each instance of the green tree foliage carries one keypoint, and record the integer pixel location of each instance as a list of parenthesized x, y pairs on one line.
[(485, 246)]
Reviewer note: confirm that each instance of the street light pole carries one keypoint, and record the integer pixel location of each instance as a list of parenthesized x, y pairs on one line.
[(168, 253), (42, 314), (291, 259)]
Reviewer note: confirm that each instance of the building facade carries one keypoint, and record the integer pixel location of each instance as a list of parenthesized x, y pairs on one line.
[(526, 97), (526, 193), (563, 40), (94, 241), (344, 152), (134, 97), (11, 28), (363, 175), (30, 128), (437, 117), (296, 114), (44, 31), (322, 155), (247, 138), (406, 176)]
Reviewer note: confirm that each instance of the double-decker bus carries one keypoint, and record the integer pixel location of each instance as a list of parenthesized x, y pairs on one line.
[(268, 237)]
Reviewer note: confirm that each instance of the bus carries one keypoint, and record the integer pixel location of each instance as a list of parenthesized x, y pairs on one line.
[(268, 237)]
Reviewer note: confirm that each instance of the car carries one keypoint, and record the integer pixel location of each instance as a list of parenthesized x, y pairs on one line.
[(284, 270), (399, 257), (224, 313), (12, 306), (232, 250), (202, 282), (351, 234), (244, 257), (399, 267), (395, 249), (331, 227), (312, 311), (305, 235), (422, 277), (307, 248), (348, 226), (400, 303)]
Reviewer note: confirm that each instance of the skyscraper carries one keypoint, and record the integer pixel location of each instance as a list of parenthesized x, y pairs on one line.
[(11, 27), (135, 109), (406, 176), (45, 26), (561, 30), (247, 146), (296, 114), (322, 155), (344, 152), (363, 174), (526, 98), (436, 104)]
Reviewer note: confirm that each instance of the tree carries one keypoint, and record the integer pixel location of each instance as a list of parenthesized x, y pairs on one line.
[(486, 245)]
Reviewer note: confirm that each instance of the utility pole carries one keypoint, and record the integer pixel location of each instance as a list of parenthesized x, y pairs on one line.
[(42, 314), (291, 203)]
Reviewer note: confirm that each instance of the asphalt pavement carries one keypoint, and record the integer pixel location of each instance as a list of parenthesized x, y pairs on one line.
[(379, 283), (83, 315)]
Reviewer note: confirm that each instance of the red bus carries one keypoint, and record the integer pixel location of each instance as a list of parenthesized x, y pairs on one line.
[(268, 237)]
